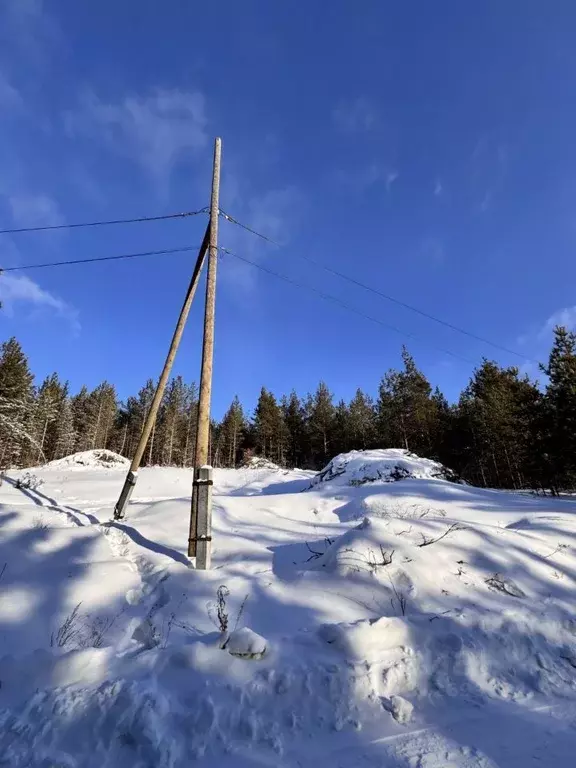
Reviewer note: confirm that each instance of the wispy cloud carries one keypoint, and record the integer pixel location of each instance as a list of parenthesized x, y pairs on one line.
[(366, 177), (156, 130), (274, 213), (438, 188), (356, 116), (10, 98), (488, 166), (31, 33), (433, 251), (19, 291), (35, 210), (391, 177)]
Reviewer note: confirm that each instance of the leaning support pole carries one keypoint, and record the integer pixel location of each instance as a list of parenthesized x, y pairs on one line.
[(200, 533), (132, 475)]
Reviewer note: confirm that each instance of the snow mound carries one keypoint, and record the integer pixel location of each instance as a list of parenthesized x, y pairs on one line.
[(260, 462), (380, 465), (246, 644), (95, 459)]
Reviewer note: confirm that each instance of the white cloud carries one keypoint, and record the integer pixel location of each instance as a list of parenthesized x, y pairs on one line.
[(34, 210), (438, 188), (21, 290), (356, 116), (156, 131), (538, 339), (565, 317)]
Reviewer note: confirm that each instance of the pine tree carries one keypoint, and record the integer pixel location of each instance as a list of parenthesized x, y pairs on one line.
[(232, 433), (65, 436), (362, 421), (296, 433), (406, 410), (321, 424), (102, 408), (440, 427), (493, 428), (15, 404), (81, 419), (133, 416), (341, 431), (268, 427), (559, 440), (172, 423), (49, 399), (189, 448)]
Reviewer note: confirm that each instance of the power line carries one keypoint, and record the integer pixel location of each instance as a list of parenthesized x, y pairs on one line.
[(377, 292), (249, 229), (183, 215), (340, 303), (102, 258)]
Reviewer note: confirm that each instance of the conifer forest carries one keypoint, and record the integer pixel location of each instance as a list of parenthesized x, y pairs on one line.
[(505, 430)]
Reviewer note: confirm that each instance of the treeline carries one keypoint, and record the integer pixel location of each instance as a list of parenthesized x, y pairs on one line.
[(504, 431)]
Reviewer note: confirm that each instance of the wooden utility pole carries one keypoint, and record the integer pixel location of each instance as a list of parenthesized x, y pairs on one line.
[(200, 534), (132, 475)]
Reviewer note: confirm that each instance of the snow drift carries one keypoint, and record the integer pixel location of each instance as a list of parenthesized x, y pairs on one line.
[(380, 465)]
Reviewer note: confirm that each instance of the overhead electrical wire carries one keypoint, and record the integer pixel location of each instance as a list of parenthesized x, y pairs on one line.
[(138, 220), (163, 252), (377, 292), (340, 303)]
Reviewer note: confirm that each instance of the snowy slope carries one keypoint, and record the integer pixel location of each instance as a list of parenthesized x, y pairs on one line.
[(413, 623)]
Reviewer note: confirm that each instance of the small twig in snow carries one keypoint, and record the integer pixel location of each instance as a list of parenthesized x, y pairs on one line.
[(438, 615), (400, 596), (427, 541), (559, 548), (241, 611)]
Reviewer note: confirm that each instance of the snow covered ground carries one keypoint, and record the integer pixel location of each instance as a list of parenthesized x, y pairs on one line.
[(410, 623)]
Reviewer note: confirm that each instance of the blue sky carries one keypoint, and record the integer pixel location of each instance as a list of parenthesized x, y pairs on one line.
[(424, 148)]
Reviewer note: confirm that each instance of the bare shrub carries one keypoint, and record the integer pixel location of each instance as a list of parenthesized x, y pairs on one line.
[(378, 561), (387, 511), (39, 523), (29, 481), (96, 629)]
